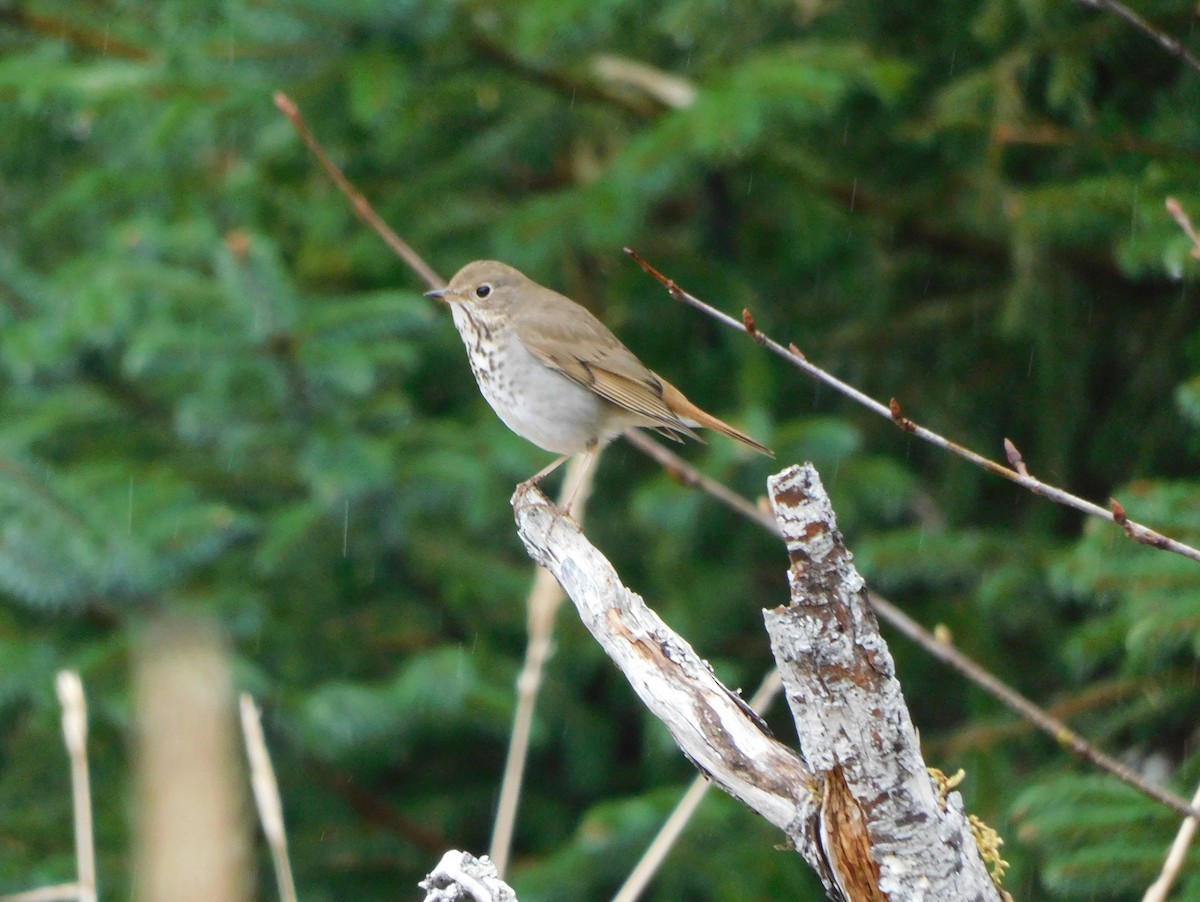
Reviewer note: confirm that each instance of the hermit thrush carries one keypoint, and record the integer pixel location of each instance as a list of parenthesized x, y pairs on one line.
[(555, 374)]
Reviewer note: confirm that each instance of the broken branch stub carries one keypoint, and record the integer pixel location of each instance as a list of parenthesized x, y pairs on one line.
[(883, 821)]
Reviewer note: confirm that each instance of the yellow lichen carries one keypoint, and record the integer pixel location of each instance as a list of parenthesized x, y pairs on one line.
[(986, 838)]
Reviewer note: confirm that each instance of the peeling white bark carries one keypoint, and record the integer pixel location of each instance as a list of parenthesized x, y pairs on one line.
[(860, 807), (854, 727), (712, 725), (461, 877)]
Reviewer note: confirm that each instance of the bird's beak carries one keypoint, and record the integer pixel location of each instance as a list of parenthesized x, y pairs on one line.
[(438, 294)]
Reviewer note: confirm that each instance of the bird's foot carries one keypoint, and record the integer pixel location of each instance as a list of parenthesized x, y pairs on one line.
[(531, 485)]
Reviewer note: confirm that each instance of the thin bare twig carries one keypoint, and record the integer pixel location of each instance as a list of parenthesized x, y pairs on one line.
[(983, 735), (364, 210), (1161, 888), (1043, 720), (1164, 40), (545, 598), (63, 892), (1180, 215), (893, 411), (680, 469), (75, 729), (947, 654), (266, 796), (643, 872)]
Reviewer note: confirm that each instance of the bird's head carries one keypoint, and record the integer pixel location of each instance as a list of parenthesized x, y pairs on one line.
[(484, 284)]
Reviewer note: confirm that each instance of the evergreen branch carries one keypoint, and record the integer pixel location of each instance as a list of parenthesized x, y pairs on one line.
[(1052, 726), (1164, 40), (61, 28), (281, 350), (640, 105), (931, 229), (372, 810), (1016, 473), (99, 370), (68, 29), (1047, 134), (41, 488)]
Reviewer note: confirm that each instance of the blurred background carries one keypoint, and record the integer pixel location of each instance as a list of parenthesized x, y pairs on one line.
[(221, 395)]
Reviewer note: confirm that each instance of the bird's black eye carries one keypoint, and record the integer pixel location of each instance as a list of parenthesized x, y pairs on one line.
[(483, 290)]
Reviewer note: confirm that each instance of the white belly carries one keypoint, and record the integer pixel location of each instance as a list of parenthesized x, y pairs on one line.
[(538, 403)]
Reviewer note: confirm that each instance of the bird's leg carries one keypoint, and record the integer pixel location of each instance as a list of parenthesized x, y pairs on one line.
[(589, 460), (541, 474)]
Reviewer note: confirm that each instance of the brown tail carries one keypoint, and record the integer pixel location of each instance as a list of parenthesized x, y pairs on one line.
[(688, 411)]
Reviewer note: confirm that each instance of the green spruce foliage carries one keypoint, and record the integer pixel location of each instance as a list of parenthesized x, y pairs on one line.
[(221, 393)]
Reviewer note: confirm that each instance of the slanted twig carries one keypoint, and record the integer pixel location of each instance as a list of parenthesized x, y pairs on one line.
[(1180, 215), (643, 872), (893, 411), (681, 470), (545, 598), (75, 729), (361, 206), (1164, 40), (1039, 717), (1161, 888), (266, 796)]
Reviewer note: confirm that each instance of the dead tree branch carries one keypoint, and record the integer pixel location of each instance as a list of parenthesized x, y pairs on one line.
[(889, 834), (461, 877), (713, 726), (857, 738)]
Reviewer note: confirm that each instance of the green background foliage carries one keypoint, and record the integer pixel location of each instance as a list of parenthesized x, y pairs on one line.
[(220, 393)]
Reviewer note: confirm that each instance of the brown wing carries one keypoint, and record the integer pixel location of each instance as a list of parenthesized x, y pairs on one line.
[(582, 348)]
